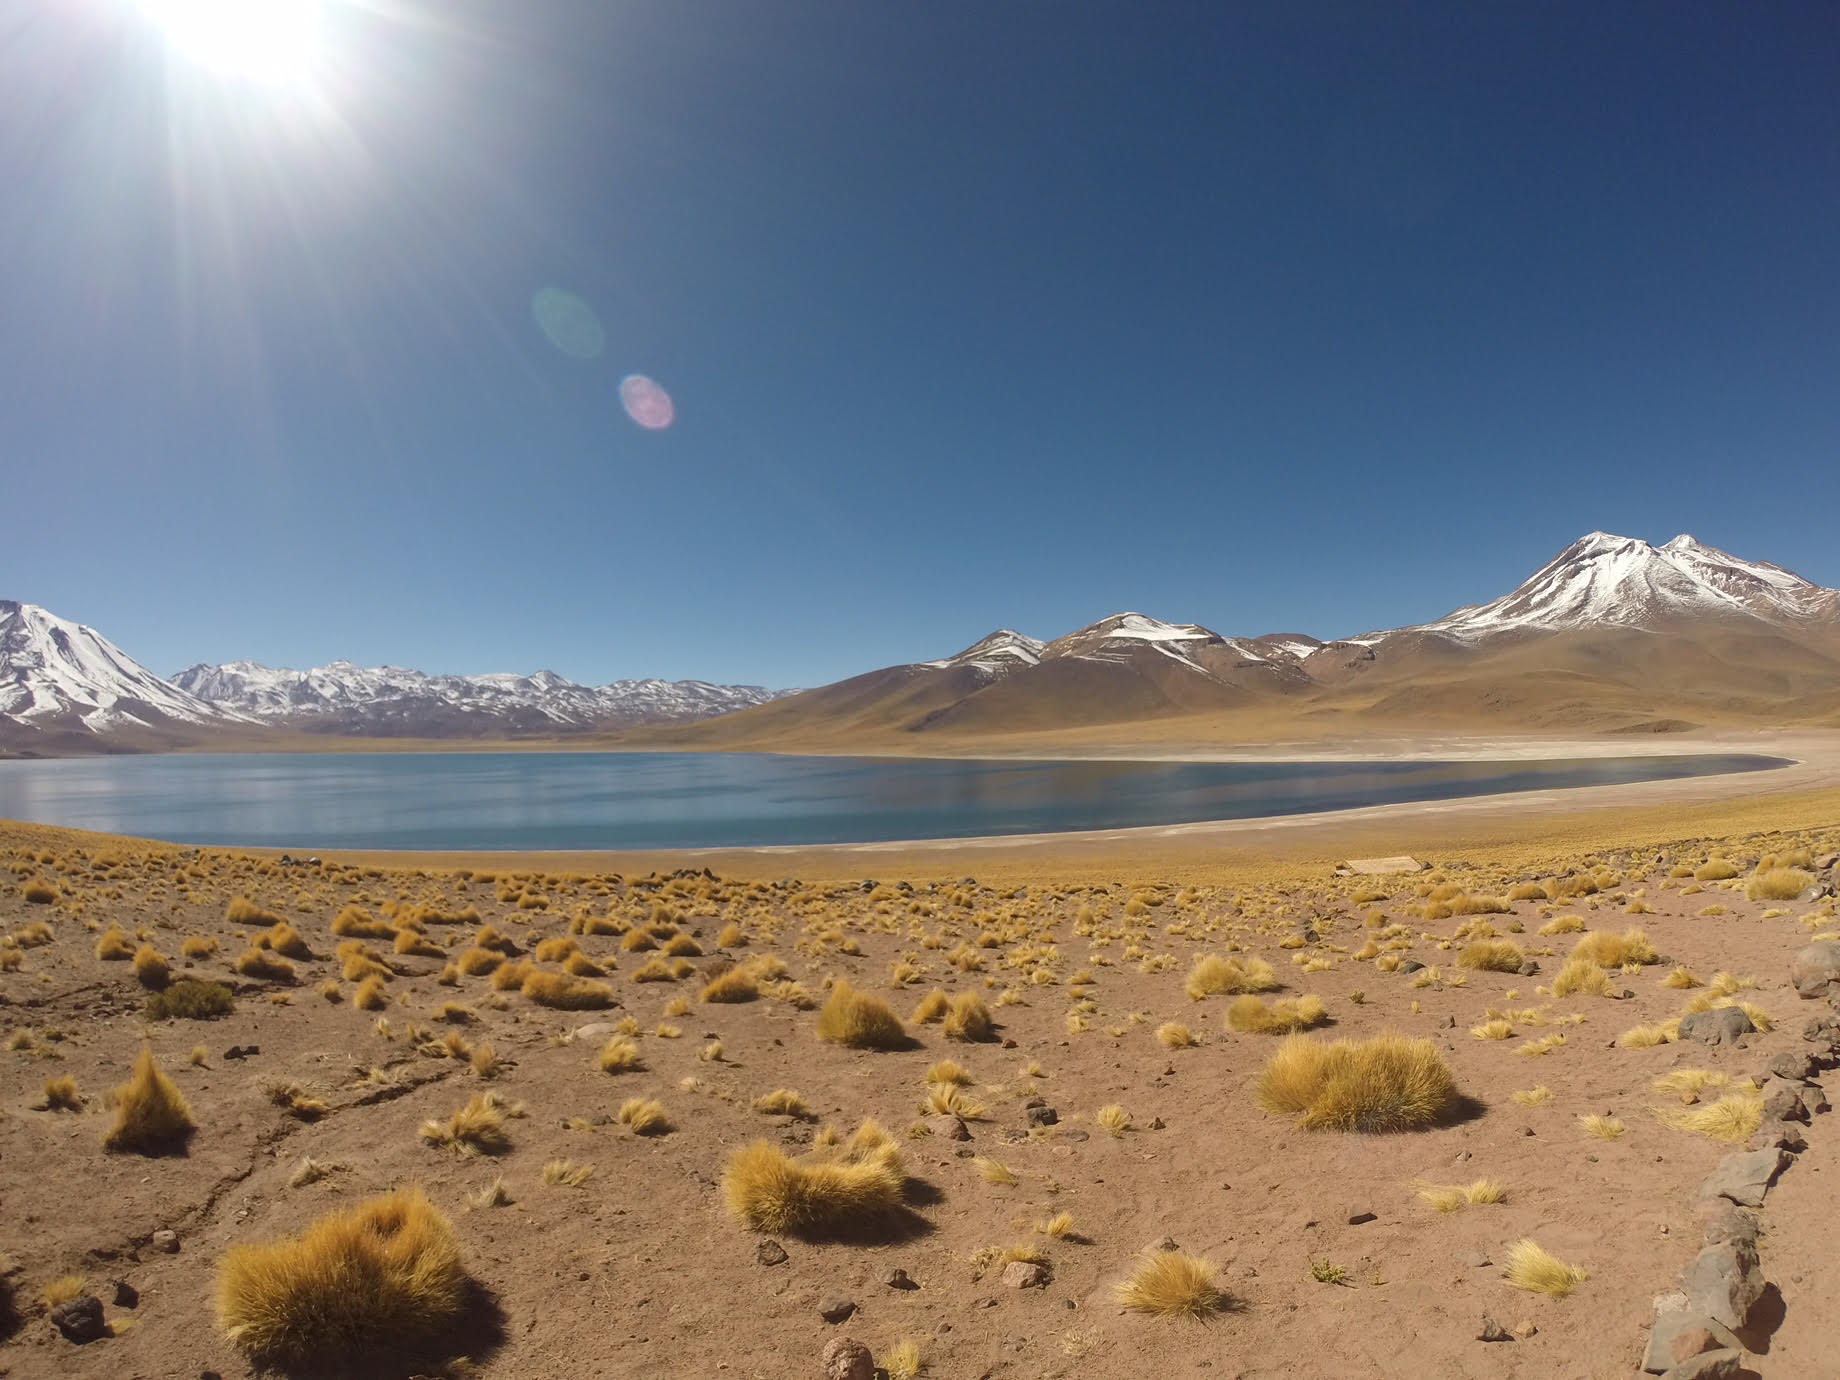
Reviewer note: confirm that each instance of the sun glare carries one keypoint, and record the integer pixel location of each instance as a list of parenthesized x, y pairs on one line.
[(266, 40)]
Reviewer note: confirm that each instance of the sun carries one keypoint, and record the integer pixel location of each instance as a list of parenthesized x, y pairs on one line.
[(266, 40)]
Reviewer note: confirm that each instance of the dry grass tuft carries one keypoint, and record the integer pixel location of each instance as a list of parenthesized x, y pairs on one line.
[(902, 1361), (1492, 955), (643, 1117), (566, 1174), (1779, 884), (1531, 1268), (1563, 924), (1175, 1035), (948, 1071), (1649, 1036), (383, 1276), (930, 1008), (1387, 1083), (1213, 976), (1715, 870), (1450, 1197), (783, 1102), (1171, 1284), (619, 1055), (151, 1115), (1601, 1127), (243, 911), (994, 1171), (859, 1020), (1733, 1119), (190, 1000), (1114, 1119), (371, 994), (1609, 950), (476, 1129), (1251, 1016), (1581, 977), (114, 946), (843, 1191), (738, 984), (264, 966), (151, 969), (61, 1095), (566, 993), (969, 1019)]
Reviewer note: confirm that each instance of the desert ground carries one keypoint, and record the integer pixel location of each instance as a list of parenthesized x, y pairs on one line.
[(573, 1056)]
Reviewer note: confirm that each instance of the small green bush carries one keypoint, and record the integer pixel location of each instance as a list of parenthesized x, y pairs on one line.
[(191, 1000)]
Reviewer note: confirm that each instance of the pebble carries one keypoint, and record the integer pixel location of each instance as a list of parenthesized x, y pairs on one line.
[(897, 1279), (845, 1358), (770, 1253), (80, 1319), (167, 1241), (1493, 1331), (1024, 1274), (834, 1308)]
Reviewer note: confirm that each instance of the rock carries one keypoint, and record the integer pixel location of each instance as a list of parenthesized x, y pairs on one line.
[(1528, 968), (769, 1253), (1042, 1116), (1724, 1282), (1163, 1243), (1691, 1341), (599, 1030), (1781, 1135), (1793, 1065), (845, 1358), (1782, 1101), (1449, 1023), (1729, 1223), (1024, 1274), (167, 1241), (1744, 1177), (242, 1051), (1711, 1365), (80, 1319), (834, 1308), (126, 1295), (1478, 1260), (948, 1126), (1670, 1328), (1816, 970), (1822, 1030), (1360, 1214), (1075, 1134), (1493, 1331), (1723, 1025), (1525, 1329), (897, 1279), (1411, 965)]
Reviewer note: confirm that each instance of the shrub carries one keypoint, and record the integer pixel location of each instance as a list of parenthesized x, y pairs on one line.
[(354, 922), (1493, 956), (191, 1000), (566, 993), (1530, 1267), (1450, 1197), (618, 1055), (40, 893), (845, 1193), (151, 968), (1563, 924), (371, 994), (736, 985), (859, 1020), (61, 1095), (477, 962), (969, 1019), (644, 1118), (1170, 1284), (1778, 884), (284, 939), (932, 1007), (379, 1277), (1387, 1083), (1114, 1119), (783, 1102), (1213, 975), (151, 1115), (1733, 1119), (1175, 1035), (196, 946), (1529, 891), (947, 1071), (1251, 1016), (1715, 870)]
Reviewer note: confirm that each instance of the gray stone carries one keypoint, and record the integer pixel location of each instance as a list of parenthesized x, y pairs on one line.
[(1816, 969), (845, 1358), (1478, 1260), (1360, 1213), (1711, 1365), (1727, 1222), (1493, 1331), (897, 1279), (126, 1295), (834, 1308), (80, 1319), (1529, 967), (167, 1241), (1744, 1177), (1780, 1135), (1822, 1030), (1668, 1334), (1024, 1274), (1782, 1101), (1793, 1065), (1724, 1282), (770, 1253), (1723, 1025), (1043, 1116), (599, 1030)]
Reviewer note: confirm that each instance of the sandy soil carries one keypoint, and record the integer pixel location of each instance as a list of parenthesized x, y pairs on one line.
[(641, 1270)]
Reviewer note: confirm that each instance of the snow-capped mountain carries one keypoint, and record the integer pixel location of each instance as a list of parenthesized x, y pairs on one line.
[(1118, 638), (1003, 651), (1606, 581), (395, 701), (58, 675)]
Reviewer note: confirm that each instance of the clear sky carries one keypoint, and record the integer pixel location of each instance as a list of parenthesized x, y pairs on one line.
[(1287, 317)]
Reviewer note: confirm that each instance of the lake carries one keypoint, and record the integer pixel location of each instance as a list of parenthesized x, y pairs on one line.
[(578, 800)]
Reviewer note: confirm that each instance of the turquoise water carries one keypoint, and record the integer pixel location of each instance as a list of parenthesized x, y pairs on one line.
[(514, 800)]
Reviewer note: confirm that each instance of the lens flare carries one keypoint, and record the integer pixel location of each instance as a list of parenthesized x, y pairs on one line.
[(646, 403), (267, 40), (568, 323)]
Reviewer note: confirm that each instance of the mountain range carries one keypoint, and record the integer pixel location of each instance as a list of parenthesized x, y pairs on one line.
[(1611, 635)]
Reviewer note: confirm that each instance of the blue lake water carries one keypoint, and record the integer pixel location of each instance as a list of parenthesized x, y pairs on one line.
[(539, 800)]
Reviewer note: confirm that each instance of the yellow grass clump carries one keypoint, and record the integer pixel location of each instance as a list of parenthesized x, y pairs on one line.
[(1492, 955), (476, 1129), (566, 993), (151, 1115), (1778, 884), (1172, 1284), (1609, 950), (931, 1008), (902, 1360), (114, 946), (1213, 975), (644, 1117), (1175, 1035), (371, 994), (1563, 924), (618, 1055), (1649, 1036), (1581, 977), (151, 969), (1250, 1015), (947, 1071), (1715, 870), (840, 1191), (477, 962), (783, 1102), (243, 911), (1450, 1197), (61, 1095), (1534, 1269), (264, 966), (383, 1276), (738, 984), (1733, 1119), (969, 1019), (1601, 1127), (1114, 1119), (859, 1020), (1387, 1083)]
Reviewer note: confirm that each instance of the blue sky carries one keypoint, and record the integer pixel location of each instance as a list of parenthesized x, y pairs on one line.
[(1285, 317)]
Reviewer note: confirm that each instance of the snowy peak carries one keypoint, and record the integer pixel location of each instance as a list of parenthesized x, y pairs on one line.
[(343, 697), (1606, 581), (1005, 650), (57, 673)]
